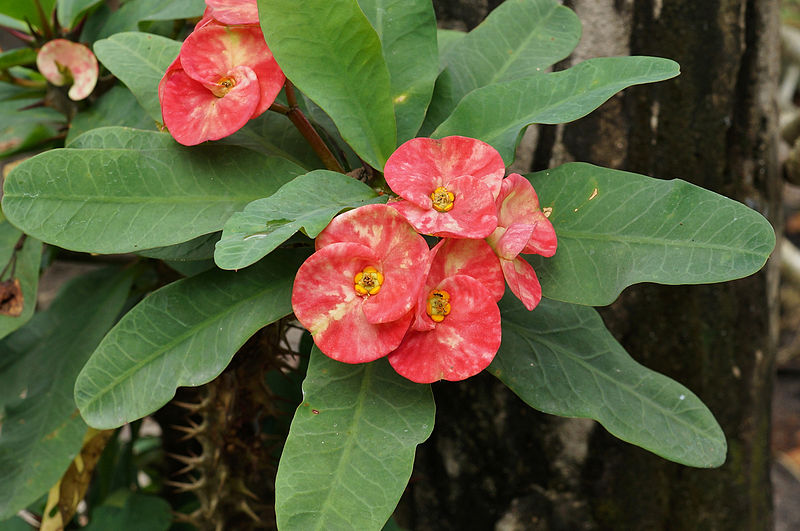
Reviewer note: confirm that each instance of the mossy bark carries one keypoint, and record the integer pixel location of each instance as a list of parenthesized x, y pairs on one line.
[(494, 464)]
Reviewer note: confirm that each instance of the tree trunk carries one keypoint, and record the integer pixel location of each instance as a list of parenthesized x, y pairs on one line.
[(492, 462)]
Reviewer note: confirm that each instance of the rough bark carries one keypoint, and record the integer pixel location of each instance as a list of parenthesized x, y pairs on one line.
[(494, 463)]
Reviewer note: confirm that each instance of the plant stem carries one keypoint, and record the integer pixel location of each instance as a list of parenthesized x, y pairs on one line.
[(302, 124)]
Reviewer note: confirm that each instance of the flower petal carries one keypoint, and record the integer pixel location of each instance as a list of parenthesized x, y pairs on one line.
[(76, 58), (460, 346), (325, 302), (193, 114), (473, 258), (543, 239), (234, 11), (522, 281), (509, 241), (421, 165), (403, 255), (209, 53), (519, 204), (473, 214)]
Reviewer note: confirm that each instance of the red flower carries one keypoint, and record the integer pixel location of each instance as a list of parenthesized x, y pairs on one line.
[(449, 185), (457, 331), (356, 292), (232, 12), (521, 228), (64, 62), (223, 77)]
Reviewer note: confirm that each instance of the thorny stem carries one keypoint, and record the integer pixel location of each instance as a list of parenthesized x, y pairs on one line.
[(302, 124)]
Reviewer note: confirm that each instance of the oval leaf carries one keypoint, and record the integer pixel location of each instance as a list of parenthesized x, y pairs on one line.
[(183, 334), (407, 30), (139, 60), (331, 52), (308, 202), (497, 113), (351, 446), (617, 228), (561, 359), (130, 190), (42, 432), (517, 39)]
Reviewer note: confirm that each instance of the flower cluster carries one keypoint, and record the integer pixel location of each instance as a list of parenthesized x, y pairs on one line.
[(374, 288), (223, 76)]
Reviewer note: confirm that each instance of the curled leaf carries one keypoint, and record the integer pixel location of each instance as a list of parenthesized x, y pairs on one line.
[(11, 299)]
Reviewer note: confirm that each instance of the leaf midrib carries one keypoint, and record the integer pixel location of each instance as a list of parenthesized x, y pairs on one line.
[(170, 346), (556, 347)]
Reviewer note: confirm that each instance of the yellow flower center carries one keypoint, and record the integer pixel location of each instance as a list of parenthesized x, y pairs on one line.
[(438, 305), (442, 199), (368, 281), (224, 86)]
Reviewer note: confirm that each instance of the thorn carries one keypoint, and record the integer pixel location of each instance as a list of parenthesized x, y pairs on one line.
[(186, 486), (239, 486), (245, 508), (191, 406), (192, 430)]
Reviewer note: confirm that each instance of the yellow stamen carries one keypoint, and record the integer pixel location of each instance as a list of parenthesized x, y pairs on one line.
[(438, 305), (442, 199), (224, 86), (368, 281)]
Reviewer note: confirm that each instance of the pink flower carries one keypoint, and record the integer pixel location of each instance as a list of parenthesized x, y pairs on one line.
[(449, 185), (223, 77), (62, 62), (521, 228), (356, 293), (457, 331)]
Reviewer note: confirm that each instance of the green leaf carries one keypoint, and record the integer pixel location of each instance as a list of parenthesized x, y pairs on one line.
[(129, 16), (118, 106), (139, 60), (498, 113), (519, 38), (184, 334), (13, 23), (308, 202), (127, 190), (329, 50), (274, 134), (616, 229), (26, 270), (407, 30), (446, 38), (42, 431), (561, 359), (18, 56), (351, 446), (26, 10), (177, 9), (69, 12), (131, 511), (197, 249)]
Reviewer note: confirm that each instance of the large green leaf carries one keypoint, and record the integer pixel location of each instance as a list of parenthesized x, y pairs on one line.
[(561, 359), (119, 190), (118, 106), (139, 60), (498, 113), (519, 38), (331, 52), (26, 269), (407, 30), (351, 446), (42, 431), (308, 202), (184, 334), (132, 14), (617, 228)]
